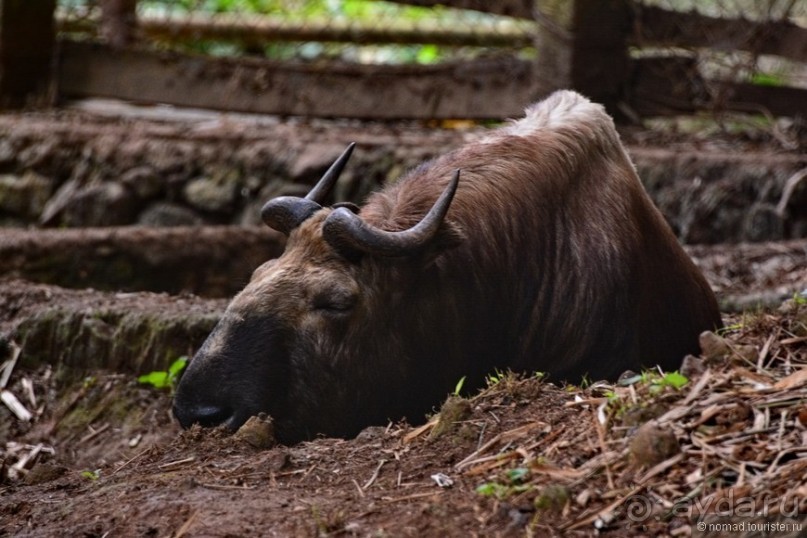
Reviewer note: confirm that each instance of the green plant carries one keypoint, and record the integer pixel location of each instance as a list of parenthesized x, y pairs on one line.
[(458, 387), (767, 79), (91, 475), (512, 483), (495, 377), (658, 383), (655, 381), (650, 384), (730, 328), (165, 379), (517, 475)]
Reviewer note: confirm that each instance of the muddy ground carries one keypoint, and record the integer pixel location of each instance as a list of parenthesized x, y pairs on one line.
[(651, 455)]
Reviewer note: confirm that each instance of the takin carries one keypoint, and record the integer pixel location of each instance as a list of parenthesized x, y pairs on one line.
[(535, 248)]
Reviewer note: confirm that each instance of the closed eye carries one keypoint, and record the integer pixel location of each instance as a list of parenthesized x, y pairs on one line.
[(337, 304)]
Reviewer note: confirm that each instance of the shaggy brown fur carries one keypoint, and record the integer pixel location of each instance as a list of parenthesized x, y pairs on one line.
[(551, 258)]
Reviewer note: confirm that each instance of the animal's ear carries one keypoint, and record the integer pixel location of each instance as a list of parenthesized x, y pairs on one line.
[(349, 205), (449, 235)]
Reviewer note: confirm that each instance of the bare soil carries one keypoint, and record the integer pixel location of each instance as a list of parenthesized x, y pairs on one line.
[(103, 456), (524, 457)]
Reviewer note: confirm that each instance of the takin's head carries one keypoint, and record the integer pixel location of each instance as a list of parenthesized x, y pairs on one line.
[(315, 339)]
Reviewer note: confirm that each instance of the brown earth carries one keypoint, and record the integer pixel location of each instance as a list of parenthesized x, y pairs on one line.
[(524, 458), (102, 456)]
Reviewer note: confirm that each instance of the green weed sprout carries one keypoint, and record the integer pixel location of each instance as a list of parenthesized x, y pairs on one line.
[(165, 379)]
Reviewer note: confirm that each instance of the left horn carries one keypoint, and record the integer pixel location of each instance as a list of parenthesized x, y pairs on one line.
[(285, 213), (347, 232), (328, 180)]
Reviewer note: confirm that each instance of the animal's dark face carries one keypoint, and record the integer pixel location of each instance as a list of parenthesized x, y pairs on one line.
[(283, 345), (315, 339)]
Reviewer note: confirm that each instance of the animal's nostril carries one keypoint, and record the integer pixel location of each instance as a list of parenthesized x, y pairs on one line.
[(204, 415)]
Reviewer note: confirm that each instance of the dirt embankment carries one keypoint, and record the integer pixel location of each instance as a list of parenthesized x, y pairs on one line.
[(80, 169)]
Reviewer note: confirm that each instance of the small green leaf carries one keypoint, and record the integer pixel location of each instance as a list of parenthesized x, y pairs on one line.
[(518, 474), (163, 380), (458, 388), (487, 489), (494, 378), (157, 380), (767, 79), (177, 366), (492, 489), (428, 54), (91, 475), (729, 328), (675, 379)]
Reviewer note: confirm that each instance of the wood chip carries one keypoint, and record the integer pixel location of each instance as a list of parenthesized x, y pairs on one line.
[(28, 388), (374, 475), (93, 434), (177, 463), (130, 460), (8, 366), (794, 380), (15, 406), (417, 432), (186, 526), (412, 497), (225, 487)]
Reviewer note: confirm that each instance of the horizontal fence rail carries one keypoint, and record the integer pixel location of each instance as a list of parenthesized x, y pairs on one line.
[(452, 59), (230, 27)]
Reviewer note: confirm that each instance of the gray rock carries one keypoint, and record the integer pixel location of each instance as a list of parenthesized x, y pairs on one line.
[(763, 223), (24, 196), (280, 187), (38, 155), (216, 193), (97, 204), (8, 153), (165, 214), (143, 181)]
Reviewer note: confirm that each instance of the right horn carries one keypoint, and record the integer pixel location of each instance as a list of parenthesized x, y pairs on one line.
[(347, 232), (285, 213)]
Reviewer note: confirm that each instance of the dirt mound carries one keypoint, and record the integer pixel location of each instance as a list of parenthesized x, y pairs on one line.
[(752, 275), (653, 454), (213, 261), (78, 330)]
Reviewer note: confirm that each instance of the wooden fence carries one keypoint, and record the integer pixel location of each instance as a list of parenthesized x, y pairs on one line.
[(588, 45)]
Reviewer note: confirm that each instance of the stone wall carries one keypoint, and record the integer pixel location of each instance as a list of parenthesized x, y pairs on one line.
[(74, 169)]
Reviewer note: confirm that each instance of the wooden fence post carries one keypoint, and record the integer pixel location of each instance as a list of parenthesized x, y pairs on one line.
[(119, 22), (27, 36), (582, 45)]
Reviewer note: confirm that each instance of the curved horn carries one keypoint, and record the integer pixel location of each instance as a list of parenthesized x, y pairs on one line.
[(285, 213), (347, 232), (326, 183)]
